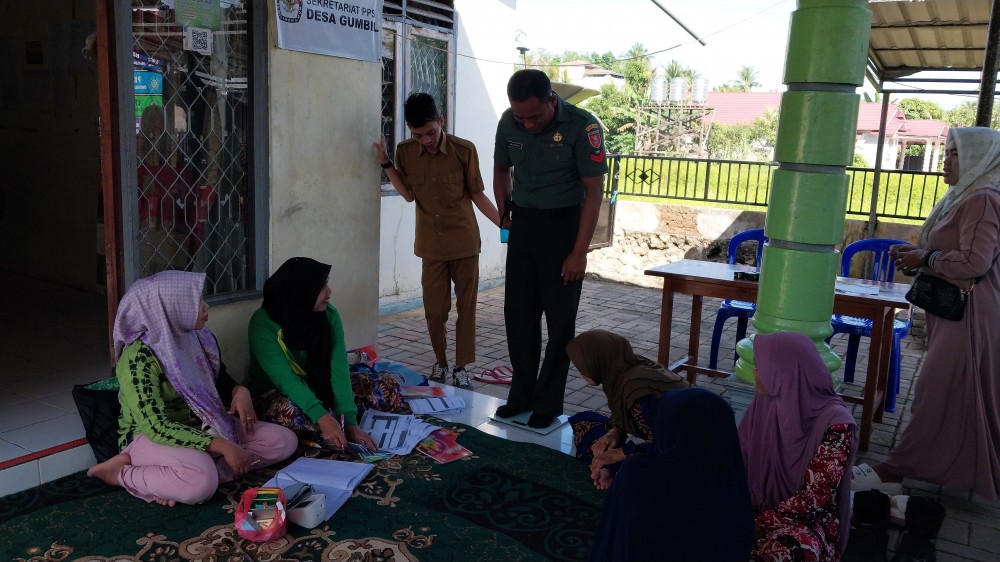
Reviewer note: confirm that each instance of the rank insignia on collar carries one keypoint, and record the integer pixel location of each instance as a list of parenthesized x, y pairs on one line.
[(557, 137)]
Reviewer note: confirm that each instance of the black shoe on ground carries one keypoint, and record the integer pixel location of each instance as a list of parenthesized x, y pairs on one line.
[(508, 411), (869, 536), (540, 421), (924, 517)]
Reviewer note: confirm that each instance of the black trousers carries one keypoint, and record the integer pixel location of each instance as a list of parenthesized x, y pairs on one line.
[(540, 239)]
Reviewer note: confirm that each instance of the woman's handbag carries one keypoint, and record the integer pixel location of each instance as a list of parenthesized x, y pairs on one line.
[(99, 409), (939, 297)]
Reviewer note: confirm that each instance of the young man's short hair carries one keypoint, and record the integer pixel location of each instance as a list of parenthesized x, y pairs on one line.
[(529, 83), (420, 109)]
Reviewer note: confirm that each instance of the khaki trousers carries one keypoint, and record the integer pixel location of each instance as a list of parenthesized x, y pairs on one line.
[(436, 279)]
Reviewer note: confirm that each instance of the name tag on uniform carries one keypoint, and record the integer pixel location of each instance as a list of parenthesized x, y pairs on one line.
[(516, 145)]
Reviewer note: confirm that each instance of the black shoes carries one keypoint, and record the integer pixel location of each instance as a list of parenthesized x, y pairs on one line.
[(540, 421), (923, 521), (508, 411), (869, 536)]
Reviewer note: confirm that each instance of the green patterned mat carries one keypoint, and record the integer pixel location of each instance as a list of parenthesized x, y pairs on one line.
[(509, 501)]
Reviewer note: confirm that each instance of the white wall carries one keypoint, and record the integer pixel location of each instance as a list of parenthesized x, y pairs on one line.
[(486, 33), (867, 145), (324, 199)]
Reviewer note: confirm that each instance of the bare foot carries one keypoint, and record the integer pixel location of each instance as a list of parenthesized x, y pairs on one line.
[(603, 479), (109, 469), (168, 503)]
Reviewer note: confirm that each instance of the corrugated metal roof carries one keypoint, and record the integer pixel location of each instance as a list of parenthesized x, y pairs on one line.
[(918, 35)]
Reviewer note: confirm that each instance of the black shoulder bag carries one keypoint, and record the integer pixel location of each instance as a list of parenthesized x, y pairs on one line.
[(939, 297)]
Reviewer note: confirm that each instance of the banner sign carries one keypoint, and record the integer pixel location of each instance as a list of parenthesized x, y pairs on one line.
[(350, 29)]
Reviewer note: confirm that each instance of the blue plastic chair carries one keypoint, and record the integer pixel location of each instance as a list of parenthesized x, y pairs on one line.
[(740, 310), (883, 268)]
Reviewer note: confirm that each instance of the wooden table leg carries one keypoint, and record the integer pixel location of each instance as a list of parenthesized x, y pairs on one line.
[(666, 320), (694, 337), (869, 400), (885, 356)]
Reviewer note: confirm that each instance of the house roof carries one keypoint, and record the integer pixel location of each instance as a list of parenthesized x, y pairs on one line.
[(870, 113), (741, 107), (927, 128), (591, 69)]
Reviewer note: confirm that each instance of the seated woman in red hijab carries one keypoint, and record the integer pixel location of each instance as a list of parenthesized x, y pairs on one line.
[(799, 442)]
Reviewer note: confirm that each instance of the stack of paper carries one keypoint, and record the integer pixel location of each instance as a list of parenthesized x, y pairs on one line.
[(336, 479), (395, 433), (441, 405), (852, 288)]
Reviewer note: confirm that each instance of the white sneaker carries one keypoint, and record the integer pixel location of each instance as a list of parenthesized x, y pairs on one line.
[(438, 372), (864, 477), (460, 378)]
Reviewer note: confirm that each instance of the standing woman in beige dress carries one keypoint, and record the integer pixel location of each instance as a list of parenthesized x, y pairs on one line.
[(953, 438)]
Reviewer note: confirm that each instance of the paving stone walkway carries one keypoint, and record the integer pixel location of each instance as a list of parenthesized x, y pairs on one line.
[(972, 528)]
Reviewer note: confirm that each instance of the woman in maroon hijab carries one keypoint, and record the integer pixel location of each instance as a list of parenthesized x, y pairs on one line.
[(798, 442)]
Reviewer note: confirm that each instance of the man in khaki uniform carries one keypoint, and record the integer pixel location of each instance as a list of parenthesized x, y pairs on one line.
[(441, 173)]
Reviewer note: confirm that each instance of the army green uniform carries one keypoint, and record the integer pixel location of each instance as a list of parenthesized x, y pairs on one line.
[(548, 192)]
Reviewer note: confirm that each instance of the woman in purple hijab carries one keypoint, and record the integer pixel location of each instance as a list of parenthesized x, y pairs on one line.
[(185, 424), (798, 442)]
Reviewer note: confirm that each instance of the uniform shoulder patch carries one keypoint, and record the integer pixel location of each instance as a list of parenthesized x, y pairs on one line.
[(595, 139)]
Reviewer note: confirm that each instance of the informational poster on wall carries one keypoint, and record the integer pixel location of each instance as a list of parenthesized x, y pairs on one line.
[(349, 29)]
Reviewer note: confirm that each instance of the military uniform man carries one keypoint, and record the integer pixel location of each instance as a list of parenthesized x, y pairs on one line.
[(548, 178)]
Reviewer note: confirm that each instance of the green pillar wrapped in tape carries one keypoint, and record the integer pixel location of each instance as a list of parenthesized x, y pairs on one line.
[(824, 66)]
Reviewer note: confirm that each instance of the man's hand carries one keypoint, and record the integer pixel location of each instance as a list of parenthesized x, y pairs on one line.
[(574, 267), (381, 154)]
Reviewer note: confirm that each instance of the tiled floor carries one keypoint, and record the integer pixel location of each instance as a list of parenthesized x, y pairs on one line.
[(53, 338), (60, 342)]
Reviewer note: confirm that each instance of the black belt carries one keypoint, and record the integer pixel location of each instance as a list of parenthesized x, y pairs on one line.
[(557, 213)]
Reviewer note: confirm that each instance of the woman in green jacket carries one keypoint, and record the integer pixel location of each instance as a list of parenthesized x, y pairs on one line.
[(298, 359)]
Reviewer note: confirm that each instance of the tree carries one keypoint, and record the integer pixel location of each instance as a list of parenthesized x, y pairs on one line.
[(638, 71), (745, 141), (914, 108), (964, 115), (727, 87), (616, 110), (747, 78)]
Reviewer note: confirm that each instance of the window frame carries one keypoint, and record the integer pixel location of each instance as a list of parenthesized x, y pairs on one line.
[(404, 29), (257, 169)]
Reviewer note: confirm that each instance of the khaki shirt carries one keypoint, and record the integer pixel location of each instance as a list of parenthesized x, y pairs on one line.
[(549, 167), (442, 187)]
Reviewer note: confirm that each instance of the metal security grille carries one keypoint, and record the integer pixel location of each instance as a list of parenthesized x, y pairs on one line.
[(192, 113)]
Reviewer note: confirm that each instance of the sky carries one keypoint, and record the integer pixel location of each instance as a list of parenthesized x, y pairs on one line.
[(736, 33)]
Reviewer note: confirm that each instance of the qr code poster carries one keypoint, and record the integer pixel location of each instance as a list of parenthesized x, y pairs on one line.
[(198, 40)]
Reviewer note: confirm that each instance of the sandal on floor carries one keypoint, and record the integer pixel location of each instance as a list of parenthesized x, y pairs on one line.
[(864, 478), (493, 376)]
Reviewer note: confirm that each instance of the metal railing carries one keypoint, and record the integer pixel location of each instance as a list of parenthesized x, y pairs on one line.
[(902, 195)]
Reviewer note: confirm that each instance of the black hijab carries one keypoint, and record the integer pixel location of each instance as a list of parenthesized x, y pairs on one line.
[(687, 499), (289, 297)]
